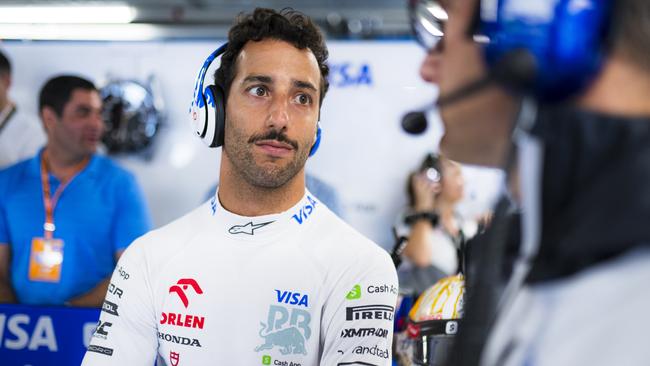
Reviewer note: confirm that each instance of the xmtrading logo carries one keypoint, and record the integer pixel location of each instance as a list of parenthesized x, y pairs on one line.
[(180, 287), (266, 360), (355, 293)]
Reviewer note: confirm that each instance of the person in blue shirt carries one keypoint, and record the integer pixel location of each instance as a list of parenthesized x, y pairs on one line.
[(66, 214)]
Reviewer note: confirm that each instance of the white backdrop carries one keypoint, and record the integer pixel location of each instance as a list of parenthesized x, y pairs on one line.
[(364, 154)]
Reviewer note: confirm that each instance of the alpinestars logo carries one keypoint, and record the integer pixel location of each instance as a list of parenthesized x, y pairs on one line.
[(248, 228), (180, 287)]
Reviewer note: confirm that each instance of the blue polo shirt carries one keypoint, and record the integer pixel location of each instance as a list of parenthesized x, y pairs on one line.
[(101, 211)]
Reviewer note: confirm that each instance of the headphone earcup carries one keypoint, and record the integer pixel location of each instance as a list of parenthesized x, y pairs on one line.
[(316, 144), (207, 110), (217, 114)]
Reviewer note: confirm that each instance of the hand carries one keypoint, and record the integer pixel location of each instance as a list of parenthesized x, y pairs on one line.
[(431, 66), (424, 192)]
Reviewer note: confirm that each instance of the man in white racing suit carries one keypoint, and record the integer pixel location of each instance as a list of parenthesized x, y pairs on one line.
[(264, 273)]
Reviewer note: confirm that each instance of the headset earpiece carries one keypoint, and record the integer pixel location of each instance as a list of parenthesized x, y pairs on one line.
[(552, 50), (208, 108), (217, 114), (317, 138)]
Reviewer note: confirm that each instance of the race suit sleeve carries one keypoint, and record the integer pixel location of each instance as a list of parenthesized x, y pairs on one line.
[(357, 322), (126, 332)]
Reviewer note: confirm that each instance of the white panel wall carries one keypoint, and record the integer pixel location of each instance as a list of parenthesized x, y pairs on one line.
[(365, 155)]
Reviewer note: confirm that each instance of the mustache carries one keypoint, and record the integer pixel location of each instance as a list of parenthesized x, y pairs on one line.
[(273, 135)]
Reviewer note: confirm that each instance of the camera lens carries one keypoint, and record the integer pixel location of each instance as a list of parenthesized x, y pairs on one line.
[(432, 174)]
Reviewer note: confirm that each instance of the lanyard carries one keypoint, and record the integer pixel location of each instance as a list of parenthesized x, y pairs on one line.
[(49, 202), (6, 114)]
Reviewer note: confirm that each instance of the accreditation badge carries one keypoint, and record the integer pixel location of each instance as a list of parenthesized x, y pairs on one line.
[(45, 260)]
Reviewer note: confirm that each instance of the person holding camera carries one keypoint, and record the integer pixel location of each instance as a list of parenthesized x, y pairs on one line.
[(434, 230)]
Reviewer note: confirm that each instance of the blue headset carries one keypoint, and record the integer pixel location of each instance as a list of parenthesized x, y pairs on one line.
[(208, 108), (559, 44)]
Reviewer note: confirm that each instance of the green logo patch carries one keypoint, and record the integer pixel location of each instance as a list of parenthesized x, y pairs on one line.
[(355, 293), (266, 360)]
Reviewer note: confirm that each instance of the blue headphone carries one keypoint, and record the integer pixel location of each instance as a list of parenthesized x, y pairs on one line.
[(558, 45), (208, 108)]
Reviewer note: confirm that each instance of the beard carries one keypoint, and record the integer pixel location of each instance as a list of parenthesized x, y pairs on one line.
[(270, 174)]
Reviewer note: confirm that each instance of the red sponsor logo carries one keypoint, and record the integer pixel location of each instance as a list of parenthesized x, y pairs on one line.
[(181, 320), (180, 287), (413, 330), (173, 358)]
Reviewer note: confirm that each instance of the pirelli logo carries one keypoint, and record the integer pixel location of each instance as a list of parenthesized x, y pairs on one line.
[(369, 312)]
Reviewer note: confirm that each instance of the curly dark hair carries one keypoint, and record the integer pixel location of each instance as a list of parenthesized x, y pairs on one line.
[(287, 25)]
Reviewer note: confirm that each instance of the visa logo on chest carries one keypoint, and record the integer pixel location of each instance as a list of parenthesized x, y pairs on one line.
[(305, 211), (292, 298)]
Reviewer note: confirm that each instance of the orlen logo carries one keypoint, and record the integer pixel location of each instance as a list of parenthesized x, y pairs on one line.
[(305, 211), (180, 320), (180, 287)]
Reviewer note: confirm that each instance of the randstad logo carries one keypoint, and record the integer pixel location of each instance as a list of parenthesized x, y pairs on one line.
[(355, 293), (180, 287), (305, 211), (292, 298)]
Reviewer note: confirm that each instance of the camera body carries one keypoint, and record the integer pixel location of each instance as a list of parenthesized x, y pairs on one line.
[(431, 168)]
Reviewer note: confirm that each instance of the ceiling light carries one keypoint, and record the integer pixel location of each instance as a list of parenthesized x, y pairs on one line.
[(116, 14), (80, 32)]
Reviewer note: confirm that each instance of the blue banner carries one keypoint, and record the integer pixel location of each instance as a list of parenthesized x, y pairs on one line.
[(41, 336)]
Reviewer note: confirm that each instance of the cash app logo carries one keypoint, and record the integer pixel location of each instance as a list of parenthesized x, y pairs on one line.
[(355, 293), (266, 360)]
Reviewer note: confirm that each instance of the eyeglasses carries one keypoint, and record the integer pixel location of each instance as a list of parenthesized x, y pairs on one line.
[(427, 19)]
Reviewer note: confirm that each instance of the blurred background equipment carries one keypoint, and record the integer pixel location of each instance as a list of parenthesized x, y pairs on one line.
[(132, 115), (432, 324)]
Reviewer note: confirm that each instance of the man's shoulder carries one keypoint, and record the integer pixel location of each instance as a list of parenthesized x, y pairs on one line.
[(172, 237), (109, 174), (15, 168), (110, 167), (13, 174), (341, 237)]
